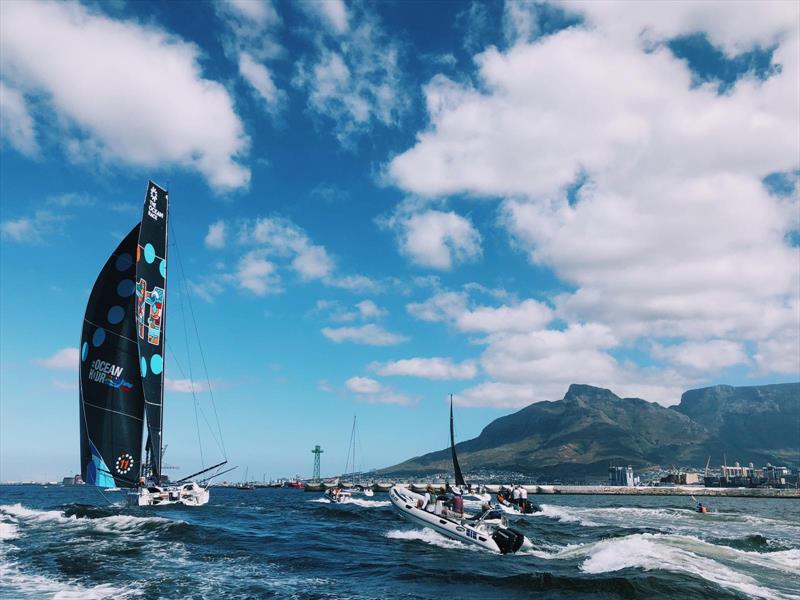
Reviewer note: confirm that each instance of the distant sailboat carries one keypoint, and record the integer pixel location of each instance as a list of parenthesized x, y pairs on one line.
[(122, 368), (354, 486), (459, 477), (461, 484)]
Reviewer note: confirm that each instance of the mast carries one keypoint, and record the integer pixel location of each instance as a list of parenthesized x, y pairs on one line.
[(351, 451), (151, 273), (459, 477)]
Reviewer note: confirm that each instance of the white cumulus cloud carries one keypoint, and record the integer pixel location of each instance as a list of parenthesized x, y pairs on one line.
[(438, 239), (16, 123), (256, 274), (427, 368), (216, 235), (354, 80), (66, 359), (363, 385), (369, 334), (639, 187), (373, 392), (135, 93)]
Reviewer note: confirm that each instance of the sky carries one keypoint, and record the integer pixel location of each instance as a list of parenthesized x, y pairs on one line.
[(377, 204)]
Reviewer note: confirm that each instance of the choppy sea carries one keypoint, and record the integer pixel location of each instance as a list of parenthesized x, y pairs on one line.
[(69, 542)]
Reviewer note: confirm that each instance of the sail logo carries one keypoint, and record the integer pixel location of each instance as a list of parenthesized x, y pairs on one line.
[(149, 325), (124, 463), (109, 374), (152, 205)]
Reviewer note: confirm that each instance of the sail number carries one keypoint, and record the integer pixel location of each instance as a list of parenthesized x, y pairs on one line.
[(149, 325)]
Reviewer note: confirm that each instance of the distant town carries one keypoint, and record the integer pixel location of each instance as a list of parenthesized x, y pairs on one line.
[(725, 476)]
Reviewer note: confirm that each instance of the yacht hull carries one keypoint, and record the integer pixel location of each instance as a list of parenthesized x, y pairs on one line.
[(189, 494), (492, 537)]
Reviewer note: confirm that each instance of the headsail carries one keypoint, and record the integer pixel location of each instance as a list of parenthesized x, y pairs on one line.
[(111, 401), (456, 467), (151, 288)]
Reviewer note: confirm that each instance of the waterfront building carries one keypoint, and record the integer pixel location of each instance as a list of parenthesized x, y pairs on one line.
[(622, 476)]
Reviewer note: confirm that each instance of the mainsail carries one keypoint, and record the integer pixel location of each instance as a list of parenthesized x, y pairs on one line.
[(151, 287), (456, 468), (111, 405)]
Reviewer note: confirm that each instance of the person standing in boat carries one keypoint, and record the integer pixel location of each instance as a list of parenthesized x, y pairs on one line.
[(426, 498), (457, 503), (523, 499), (516, 495)]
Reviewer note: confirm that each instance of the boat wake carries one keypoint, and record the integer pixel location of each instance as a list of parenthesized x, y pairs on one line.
[(674, 520), (747, 572), (429, 536), (20, 517), (356, 501)]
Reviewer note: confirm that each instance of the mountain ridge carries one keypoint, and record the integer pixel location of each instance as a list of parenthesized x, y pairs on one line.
[(591, 427)]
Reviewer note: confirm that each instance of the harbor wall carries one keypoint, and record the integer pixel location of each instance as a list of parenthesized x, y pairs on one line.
[(609, 490)]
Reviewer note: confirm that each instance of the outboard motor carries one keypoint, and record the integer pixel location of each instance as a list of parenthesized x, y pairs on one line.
[(529, 507), (508, 540)]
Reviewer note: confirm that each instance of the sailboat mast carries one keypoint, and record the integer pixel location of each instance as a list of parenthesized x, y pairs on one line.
[(459, 477), (354, 448), (164, 332)]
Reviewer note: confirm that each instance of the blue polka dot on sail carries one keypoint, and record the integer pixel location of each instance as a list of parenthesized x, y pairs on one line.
[(123, 262), (115, 314), (126, 287), (98, 337), (149, 253), (84, 351), (156, 364), (143, 366), (162, 268)]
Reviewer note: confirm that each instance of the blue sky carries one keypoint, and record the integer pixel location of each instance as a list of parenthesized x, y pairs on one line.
[(377, 204)]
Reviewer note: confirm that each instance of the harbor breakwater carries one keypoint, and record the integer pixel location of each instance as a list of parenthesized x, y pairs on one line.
[(602, 490)]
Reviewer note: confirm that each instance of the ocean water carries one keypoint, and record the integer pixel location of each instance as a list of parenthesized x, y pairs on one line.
[(70, 543)]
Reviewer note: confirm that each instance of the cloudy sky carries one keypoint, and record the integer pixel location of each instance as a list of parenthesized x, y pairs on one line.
[(377, 204)]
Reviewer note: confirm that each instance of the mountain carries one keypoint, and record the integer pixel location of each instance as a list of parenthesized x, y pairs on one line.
[(592, 428), (751, 424)]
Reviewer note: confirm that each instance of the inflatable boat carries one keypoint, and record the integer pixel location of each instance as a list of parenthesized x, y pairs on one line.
[(487, 530)]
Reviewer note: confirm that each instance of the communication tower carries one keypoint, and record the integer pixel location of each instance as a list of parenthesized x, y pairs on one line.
[(316, 452)]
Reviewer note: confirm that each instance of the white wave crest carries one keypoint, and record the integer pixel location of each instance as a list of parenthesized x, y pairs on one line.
[(367, 503), (682, 521), (684, 554), (565, 515), (429, 536), (22, 515), (356, 501), (8, 531), (16, 584)]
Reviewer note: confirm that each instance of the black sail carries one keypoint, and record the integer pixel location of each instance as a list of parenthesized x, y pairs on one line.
[(111, 399), (456, 467), (151, 288)]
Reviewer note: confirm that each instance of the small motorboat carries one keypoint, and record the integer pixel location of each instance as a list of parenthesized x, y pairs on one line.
[(519, 507), (487, 530), (337, 495), (359, 490)]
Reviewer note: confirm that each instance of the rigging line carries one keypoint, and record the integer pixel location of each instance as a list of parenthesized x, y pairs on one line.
[(202, 412), (110, 503), (86, 403), (109, 331), (189, 361), (200, 349)]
